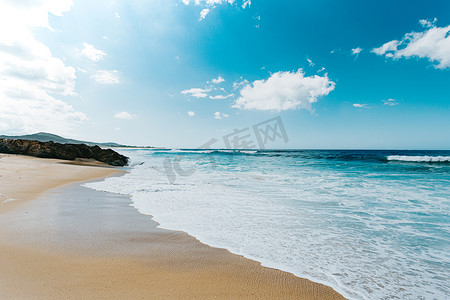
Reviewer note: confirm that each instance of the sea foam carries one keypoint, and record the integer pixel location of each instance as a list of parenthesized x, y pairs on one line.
[(424, 158)]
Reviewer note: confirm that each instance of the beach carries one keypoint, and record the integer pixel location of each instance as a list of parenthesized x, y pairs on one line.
[(62, 240)]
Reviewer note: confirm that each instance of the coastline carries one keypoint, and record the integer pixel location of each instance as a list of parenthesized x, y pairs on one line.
[(112, 250)]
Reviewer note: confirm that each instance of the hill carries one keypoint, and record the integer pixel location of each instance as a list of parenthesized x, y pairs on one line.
[(48, 137)]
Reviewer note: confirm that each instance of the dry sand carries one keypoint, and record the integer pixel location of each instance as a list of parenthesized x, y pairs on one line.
[(72, 242)]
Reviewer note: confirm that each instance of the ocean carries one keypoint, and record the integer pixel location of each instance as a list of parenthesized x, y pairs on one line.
[(370, 224)]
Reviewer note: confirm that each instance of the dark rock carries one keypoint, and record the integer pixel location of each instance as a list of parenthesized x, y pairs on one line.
[(62, 151)]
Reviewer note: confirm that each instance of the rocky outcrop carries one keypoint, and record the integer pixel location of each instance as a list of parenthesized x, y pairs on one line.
[(62, 151)]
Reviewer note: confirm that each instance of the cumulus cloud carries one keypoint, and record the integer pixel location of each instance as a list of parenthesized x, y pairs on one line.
[(106, 77), (191, 113), (123, 115), (31, 78), (218, 115), (93, 54), (390, 102), (218, 80), (433, 43), (196, 93), (284, 91), (358, 105)]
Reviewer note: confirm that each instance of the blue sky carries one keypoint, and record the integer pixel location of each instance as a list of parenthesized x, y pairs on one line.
[(178, 73)]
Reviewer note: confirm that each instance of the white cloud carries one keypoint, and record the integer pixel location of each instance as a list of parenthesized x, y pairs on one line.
[(284, 91), (356, 51), (106, 77), (358, 105), (321, 70), (219, 115), (30, 76), (389, 46), (203, 14), (258, 21), (191, 113), (221, 97), (204, 92), (427, 23), (210, 4), (240, 83), (311, 64), (218, 80), (196, 92), (117, 15), (390, 102), (123, 115), (93, 54), (246, 3), (433, 43)]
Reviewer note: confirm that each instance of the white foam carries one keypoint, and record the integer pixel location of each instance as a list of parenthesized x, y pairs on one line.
[(177, 151), (419, 158), (248, 151)]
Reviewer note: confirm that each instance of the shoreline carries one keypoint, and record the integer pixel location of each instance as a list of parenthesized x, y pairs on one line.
[(119, 247)]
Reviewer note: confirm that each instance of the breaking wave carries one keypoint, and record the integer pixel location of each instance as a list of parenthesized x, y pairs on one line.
[(429, 159)]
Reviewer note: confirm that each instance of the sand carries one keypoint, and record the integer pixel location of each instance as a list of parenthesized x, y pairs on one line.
[(73, 242), (23, 178)]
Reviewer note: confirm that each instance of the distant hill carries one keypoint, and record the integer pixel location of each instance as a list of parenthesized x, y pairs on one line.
[(48, 137)]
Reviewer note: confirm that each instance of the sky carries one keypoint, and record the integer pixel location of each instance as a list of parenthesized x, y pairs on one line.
[(178, 73)]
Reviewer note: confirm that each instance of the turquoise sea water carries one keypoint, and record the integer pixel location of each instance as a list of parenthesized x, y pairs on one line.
[(371, 224)]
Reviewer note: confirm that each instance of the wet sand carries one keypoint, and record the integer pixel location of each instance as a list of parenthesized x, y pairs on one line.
[(73, 242), (23, 178)]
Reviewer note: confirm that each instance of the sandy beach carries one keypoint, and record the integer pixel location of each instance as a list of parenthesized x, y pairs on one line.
[(61, 240)]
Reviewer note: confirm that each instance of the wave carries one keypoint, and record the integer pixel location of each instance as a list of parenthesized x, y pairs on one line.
[(180, 151), (374, 156), (298, 201), (248, 152), (203, 151), (425, 158)]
